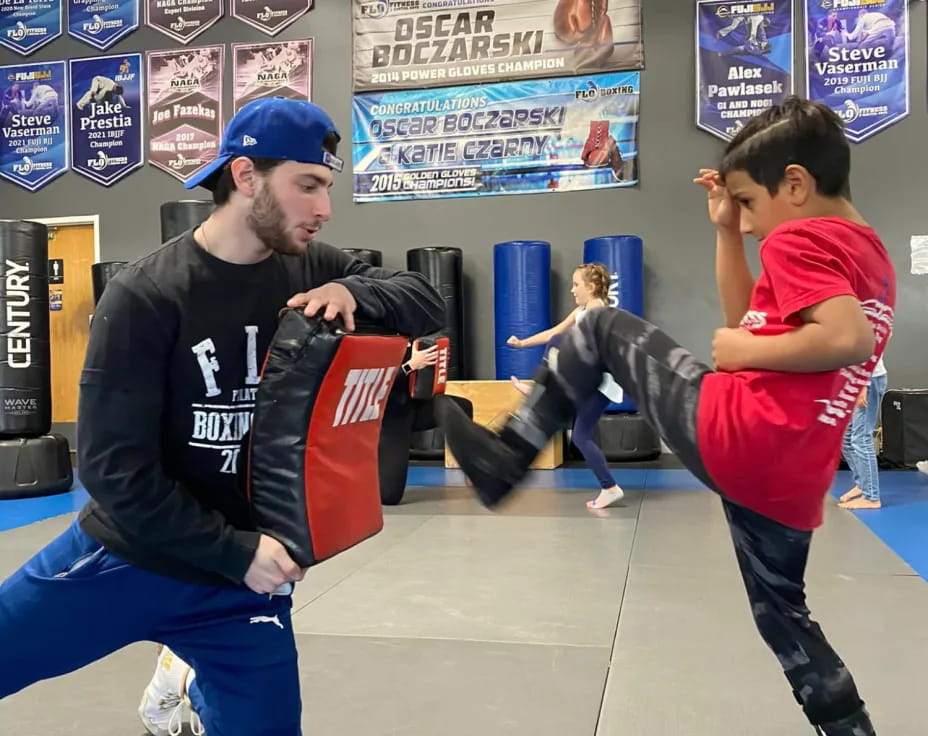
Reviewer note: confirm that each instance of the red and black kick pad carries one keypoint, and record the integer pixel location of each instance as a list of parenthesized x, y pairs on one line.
[(312, 468), (425, 383)]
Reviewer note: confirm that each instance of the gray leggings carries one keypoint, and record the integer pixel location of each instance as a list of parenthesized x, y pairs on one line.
[(662, 378)]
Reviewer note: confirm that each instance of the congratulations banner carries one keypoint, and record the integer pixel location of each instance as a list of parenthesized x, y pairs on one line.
[(744, 61), (33, 123), (858, 61), (270, 16), (182, 20), (107, 122), (184, 109), (271, 70), (101, 23), (408, 45), (509, 138), (26, 25)]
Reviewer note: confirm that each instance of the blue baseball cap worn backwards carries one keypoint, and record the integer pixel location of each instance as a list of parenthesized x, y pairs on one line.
[(274, 128)]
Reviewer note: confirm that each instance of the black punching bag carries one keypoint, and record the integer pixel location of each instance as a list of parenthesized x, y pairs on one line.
[(395, 442), (25, 355), (179, 217), (100, 274), (373, 257), (443, 267)]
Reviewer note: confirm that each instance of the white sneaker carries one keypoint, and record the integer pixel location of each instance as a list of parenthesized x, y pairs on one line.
[(164, 702)]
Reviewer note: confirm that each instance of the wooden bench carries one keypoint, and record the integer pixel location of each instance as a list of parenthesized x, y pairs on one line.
[(493, 401)]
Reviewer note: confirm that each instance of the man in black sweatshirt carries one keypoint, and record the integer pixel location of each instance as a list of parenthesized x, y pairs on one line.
[(165, 549)]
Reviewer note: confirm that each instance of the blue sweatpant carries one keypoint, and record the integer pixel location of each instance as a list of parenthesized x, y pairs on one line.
[(74, 603)]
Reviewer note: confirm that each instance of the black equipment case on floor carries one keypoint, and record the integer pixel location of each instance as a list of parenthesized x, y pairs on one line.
[(905, 426)]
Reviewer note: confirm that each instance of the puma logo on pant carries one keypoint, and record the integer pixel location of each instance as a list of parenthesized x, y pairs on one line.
[(266, 620)]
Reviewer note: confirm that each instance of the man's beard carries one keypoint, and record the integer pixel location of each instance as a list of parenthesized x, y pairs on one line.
[(266, 221)]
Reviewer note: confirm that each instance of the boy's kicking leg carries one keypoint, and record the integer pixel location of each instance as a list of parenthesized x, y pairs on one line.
[(664, 379), (660, 376)]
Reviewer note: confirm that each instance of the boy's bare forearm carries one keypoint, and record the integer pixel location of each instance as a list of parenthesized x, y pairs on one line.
[(809, 349)]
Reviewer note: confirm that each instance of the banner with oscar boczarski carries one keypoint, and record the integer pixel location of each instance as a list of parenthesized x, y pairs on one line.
[(857, 61), (528, 137), (744, 61), (434, 43)]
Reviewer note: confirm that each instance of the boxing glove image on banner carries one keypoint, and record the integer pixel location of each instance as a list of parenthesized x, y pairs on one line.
[(601, 148)]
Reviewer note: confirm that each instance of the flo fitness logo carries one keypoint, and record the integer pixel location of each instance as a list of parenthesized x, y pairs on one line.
[(375, 10)]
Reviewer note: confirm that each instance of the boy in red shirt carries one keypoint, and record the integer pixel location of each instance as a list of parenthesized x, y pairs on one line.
[(763, 429)]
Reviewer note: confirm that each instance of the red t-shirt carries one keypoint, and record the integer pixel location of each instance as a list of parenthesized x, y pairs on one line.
[(771, 440)]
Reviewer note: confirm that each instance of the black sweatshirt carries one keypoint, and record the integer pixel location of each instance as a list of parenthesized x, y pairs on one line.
[(167, 391)]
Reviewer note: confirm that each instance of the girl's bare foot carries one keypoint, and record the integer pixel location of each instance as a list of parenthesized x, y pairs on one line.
[(860, 503), (855, 492)]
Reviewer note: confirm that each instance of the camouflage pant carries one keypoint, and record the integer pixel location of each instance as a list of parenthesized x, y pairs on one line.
[(663, 379)]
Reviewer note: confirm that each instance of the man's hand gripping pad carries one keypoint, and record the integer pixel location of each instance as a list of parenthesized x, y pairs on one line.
[(312, 466), (425, 383)]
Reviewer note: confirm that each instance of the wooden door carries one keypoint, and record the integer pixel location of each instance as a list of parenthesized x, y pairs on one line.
[(70, 292)]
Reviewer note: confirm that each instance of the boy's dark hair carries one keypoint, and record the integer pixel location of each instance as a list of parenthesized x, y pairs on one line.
[(225, 184), (797, 131)]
